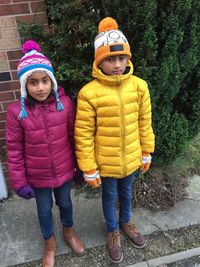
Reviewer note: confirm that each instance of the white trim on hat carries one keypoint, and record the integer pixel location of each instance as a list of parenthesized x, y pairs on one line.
[(24, 77), (108, 38)]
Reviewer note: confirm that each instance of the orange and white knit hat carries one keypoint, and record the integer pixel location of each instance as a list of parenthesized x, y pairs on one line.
[(110, 41)]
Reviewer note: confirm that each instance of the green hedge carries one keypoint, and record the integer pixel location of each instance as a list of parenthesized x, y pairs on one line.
[(164, 37)]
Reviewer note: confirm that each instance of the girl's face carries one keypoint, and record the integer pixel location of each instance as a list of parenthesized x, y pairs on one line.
[(39, 85), (114, 65)]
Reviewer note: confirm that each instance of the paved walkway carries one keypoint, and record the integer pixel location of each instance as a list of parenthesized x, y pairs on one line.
[(20, 238)]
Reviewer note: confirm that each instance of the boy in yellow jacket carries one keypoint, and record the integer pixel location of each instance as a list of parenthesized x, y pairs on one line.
[(113, 132)]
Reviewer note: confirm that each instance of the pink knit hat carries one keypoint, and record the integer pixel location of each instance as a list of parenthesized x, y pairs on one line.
[(33, 60)]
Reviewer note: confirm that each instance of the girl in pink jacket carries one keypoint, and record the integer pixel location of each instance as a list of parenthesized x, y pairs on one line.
[(39, 138)]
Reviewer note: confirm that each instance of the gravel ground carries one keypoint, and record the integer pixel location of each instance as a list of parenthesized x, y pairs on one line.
[(159, 244)]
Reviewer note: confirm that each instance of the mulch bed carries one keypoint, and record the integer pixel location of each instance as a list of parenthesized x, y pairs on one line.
[(157, 192)]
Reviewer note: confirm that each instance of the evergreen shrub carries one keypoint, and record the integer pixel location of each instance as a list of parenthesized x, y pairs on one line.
[(165, 41)]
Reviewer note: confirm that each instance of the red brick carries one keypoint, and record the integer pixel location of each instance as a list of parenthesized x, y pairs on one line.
[(5, 165), (14, 9), (38, 6), (4, 161), (9, 86), (14, 75), (2, 134), (16, 1), (4, 158), (2, 116), (2, 124), (5, 1), (36, 18), (6, 104), (13, 64), (5, 171), (3, 154), (16, 54), (2, 142), (7, 96), (17, 94)]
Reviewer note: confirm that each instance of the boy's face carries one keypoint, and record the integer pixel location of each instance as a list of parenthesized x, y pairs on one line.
[(39, 85), (114, 65)]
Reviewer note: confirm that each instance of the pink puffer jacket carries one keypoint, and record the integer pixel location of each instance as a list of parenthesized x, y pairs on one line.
[(41, 148)]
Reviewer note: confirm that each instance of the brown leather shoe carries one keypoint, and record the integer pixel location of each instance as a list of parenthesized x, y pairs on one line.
[(114, 247), (48, 259), (136, 238), (73, 241)]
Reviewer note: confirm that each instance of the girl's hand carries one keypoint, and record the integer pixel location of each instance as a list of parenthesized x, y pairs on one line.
[(25, 192)]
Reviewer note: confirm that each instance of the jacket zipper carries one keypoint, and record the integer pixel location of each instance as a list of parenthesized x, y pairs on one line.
[(47, 134), (122, 132)]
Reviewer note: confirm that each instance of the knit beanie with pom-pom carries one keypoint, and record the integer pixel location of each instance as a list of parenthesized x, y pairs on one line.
[(110, 41), (32, 61)]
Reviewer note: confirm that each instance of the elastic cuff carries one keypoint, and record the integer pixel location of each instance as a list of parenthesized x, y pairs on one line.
[(91, 172)]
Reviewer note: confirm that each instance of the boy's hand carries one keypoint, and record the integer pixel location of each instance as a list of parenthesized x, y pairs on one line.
[(92, 178), (146, 161)]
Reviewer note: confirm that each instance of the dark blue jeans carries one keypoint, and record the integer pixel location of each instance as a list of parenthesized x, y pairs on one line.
[(44, 201), (112, 190)]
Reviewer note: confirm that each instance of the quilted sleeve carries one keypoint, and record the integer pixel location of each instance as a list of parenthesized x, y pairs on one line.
[(85, 133), (15, 150), (71, 120), (70, 128), (147, 138)]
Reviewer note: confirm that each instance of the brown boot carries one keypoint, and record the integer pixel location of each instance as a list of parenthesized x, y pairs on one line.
[(73, 241), (114, 247), (135, 237), (48, 259)]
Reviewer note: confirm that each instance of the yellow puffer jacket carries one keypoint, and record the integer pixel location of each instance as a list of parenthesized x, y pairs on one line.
[(113, 124)]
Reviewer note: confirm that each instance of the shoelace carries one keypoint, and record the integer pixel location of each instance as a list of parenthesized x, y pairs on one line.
[(115, 238), (132, 228)]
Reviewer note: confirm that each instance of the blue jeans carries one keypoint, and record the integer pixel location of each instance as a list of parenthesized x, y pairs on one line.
[(112, 190), (44, 201)]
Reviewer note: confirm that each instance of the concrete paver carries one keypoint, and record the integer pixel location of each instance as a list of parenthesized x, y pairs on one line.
[(164, 261), (174, 257), (21, 241)]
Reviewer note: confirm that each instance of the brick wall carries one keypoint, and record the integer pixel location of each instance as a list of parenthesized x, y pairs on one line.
[(12, 12)]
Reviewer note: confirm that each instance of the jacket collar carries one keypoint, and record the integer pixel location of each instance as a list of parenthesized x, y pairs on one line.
[(111, 80)]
